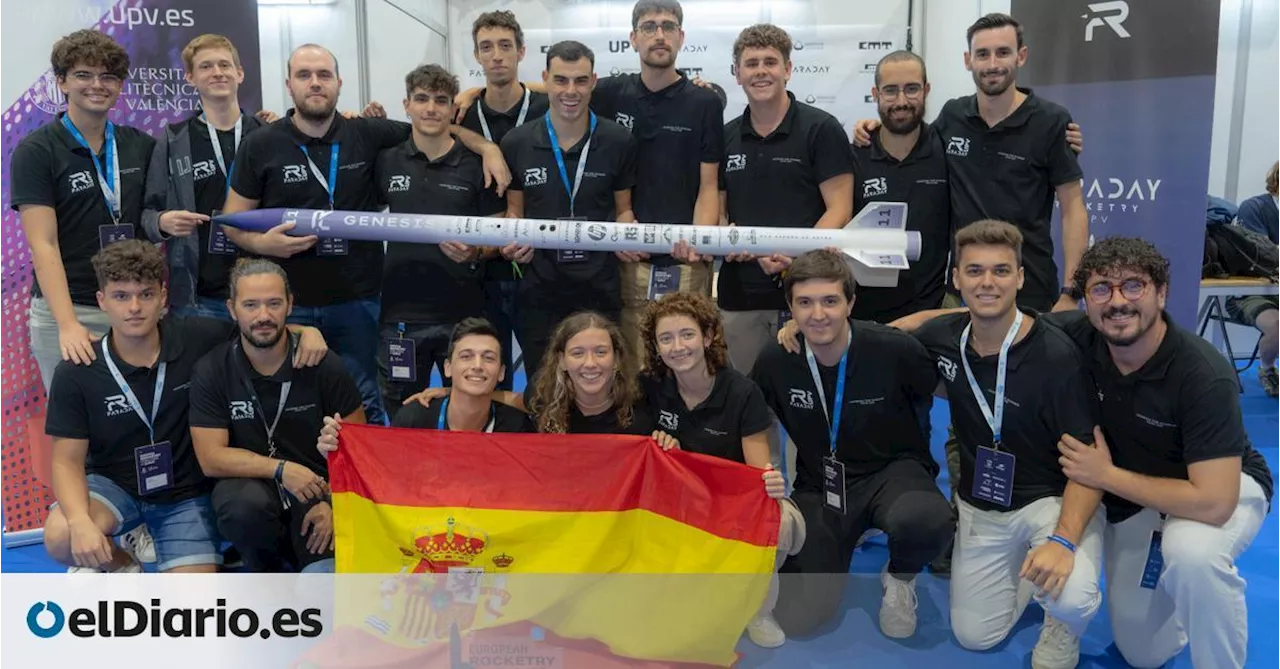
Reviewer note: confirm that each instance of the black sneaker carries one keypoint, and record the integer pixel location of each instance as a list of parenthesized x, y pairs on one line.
[(231, 559), (1270, 380)]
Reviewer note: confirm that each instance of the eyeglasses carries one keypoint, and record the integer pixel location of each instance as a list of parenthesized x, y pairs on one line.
[(1132, 290), (650, 28), (912, 91), (106, 78)]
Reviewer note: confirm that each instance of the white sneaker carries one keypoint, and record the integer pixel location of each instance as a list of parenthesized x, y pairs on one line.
[(1057, 648), (138, 543), (765, 632), (869, 534), (133, 567), (898, 607)]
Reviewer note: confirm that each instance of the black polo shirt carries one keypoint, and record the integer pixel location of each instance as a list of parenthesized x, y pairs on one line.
[(420, 283), (607, 423), (888, 391), (271, 168), (679, 128), (735, 409), (920, 180), (85, 402), (50, 168), (1180, 408), (211, 193), (1009, 173), (221, 400), (1047, 395), (505, 418), (500, 123), (774, 181), (611, 167)]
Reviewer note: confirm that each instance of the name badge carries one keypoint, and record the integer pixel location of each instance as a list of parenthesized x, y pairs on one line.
[(219, 243), (110, 234), (154, 463), (1155, 562), (571, 255), (833, 490), (331, 246), (401, 360), (993, 476), (663, 281)]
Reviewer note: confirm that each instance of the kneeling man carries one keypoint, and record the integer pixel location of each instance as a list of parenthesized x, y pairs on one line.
[(254, 419)]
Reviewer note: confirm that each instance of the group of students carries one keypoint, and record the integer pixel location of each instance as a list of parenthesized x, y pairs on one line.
[(176, 431)]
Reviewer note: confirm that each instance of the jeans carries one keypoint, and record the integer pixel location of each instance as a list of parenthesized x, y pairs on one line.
[(351, 330), (204, 307)]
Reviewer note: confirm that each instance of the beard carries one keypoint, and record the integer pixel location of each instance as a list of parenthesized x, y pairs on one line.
[(315, 110), (915, 116), (263, 340), (1124, 340), (1007, 79), (663, 59)]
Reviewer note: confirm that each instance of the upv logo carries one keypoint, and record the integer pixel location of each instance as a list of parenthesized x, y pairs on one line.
[(35, 624)]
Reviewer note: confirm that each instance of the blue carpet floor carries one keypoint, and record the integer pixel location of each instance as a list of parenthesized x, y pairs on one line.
[(856, 639)]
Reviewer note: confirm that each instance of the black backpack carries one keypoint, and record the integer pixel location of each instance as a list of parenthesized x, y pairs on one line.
[(1238, 251)]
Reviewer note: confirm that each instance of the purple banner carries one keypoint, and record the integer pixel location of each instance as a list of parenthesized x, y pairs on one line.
[(1138, 76), (154, 95)]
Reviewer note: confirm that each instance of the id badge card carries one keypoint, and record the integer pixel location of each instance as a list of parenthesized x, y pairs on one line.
[(110, 234), (331, 246), (571, 255), (401, 360), (993, 476), (154, 463), (1155, 562), (833, 491), (664, 281), (219, 243)]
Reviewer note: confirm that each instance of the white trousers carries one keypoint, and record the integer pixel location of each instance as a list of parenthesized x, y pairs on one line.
[(1200, 595), (45, 346), (987, 595)]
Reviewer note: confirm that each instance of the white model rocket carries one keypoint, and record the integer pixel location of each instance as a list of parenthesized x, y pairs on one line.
[(876, 240)]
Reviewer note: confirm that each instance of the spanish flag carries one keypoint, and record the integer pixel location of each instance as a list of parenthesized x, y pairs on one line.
[(602, 542)]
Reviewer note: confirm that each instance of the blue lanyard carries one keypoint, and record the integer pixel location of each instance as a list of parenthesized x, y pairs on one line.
[(444, 410), (217, 148), (994, 420), (582, 159), (331, 185), (106, 174), (129, 395), (833, 421)]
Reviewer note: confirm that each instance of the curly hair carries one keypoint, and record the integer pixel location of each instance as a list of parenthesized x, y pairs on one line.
[(1112, 255), (130, 260), (553, 393), (89, 47), (703, 312), (762, 36), (433, 79)]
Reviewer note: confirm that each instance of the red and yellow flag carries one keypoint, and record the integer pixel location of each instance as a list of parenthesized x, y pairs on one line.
[(601, 539)]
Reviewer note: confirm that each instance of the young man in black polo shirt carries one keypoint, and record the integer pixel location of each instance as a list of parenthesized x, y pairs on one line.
[(427, 288), (1022, 523), (572, 166), (77, 183), (874, 468), (316, 159), (253, 421), (786, 164), (188, 181), (504, 103), (905, 162), (1186, 491), (123, 466), (475, 367)]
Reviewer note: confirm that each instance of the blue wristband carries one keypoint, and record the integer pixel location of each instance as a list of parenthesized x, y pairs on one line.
[(280, 472), (1062, 542)]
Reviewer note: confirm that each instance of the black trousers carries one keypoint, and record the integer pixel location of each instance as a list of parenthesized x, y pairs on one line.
[(902, 500), (268, 536)]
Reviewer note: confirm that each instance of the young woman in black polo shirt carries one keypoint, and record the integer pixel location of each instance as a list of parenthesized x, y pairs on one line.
[(714, 410)]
